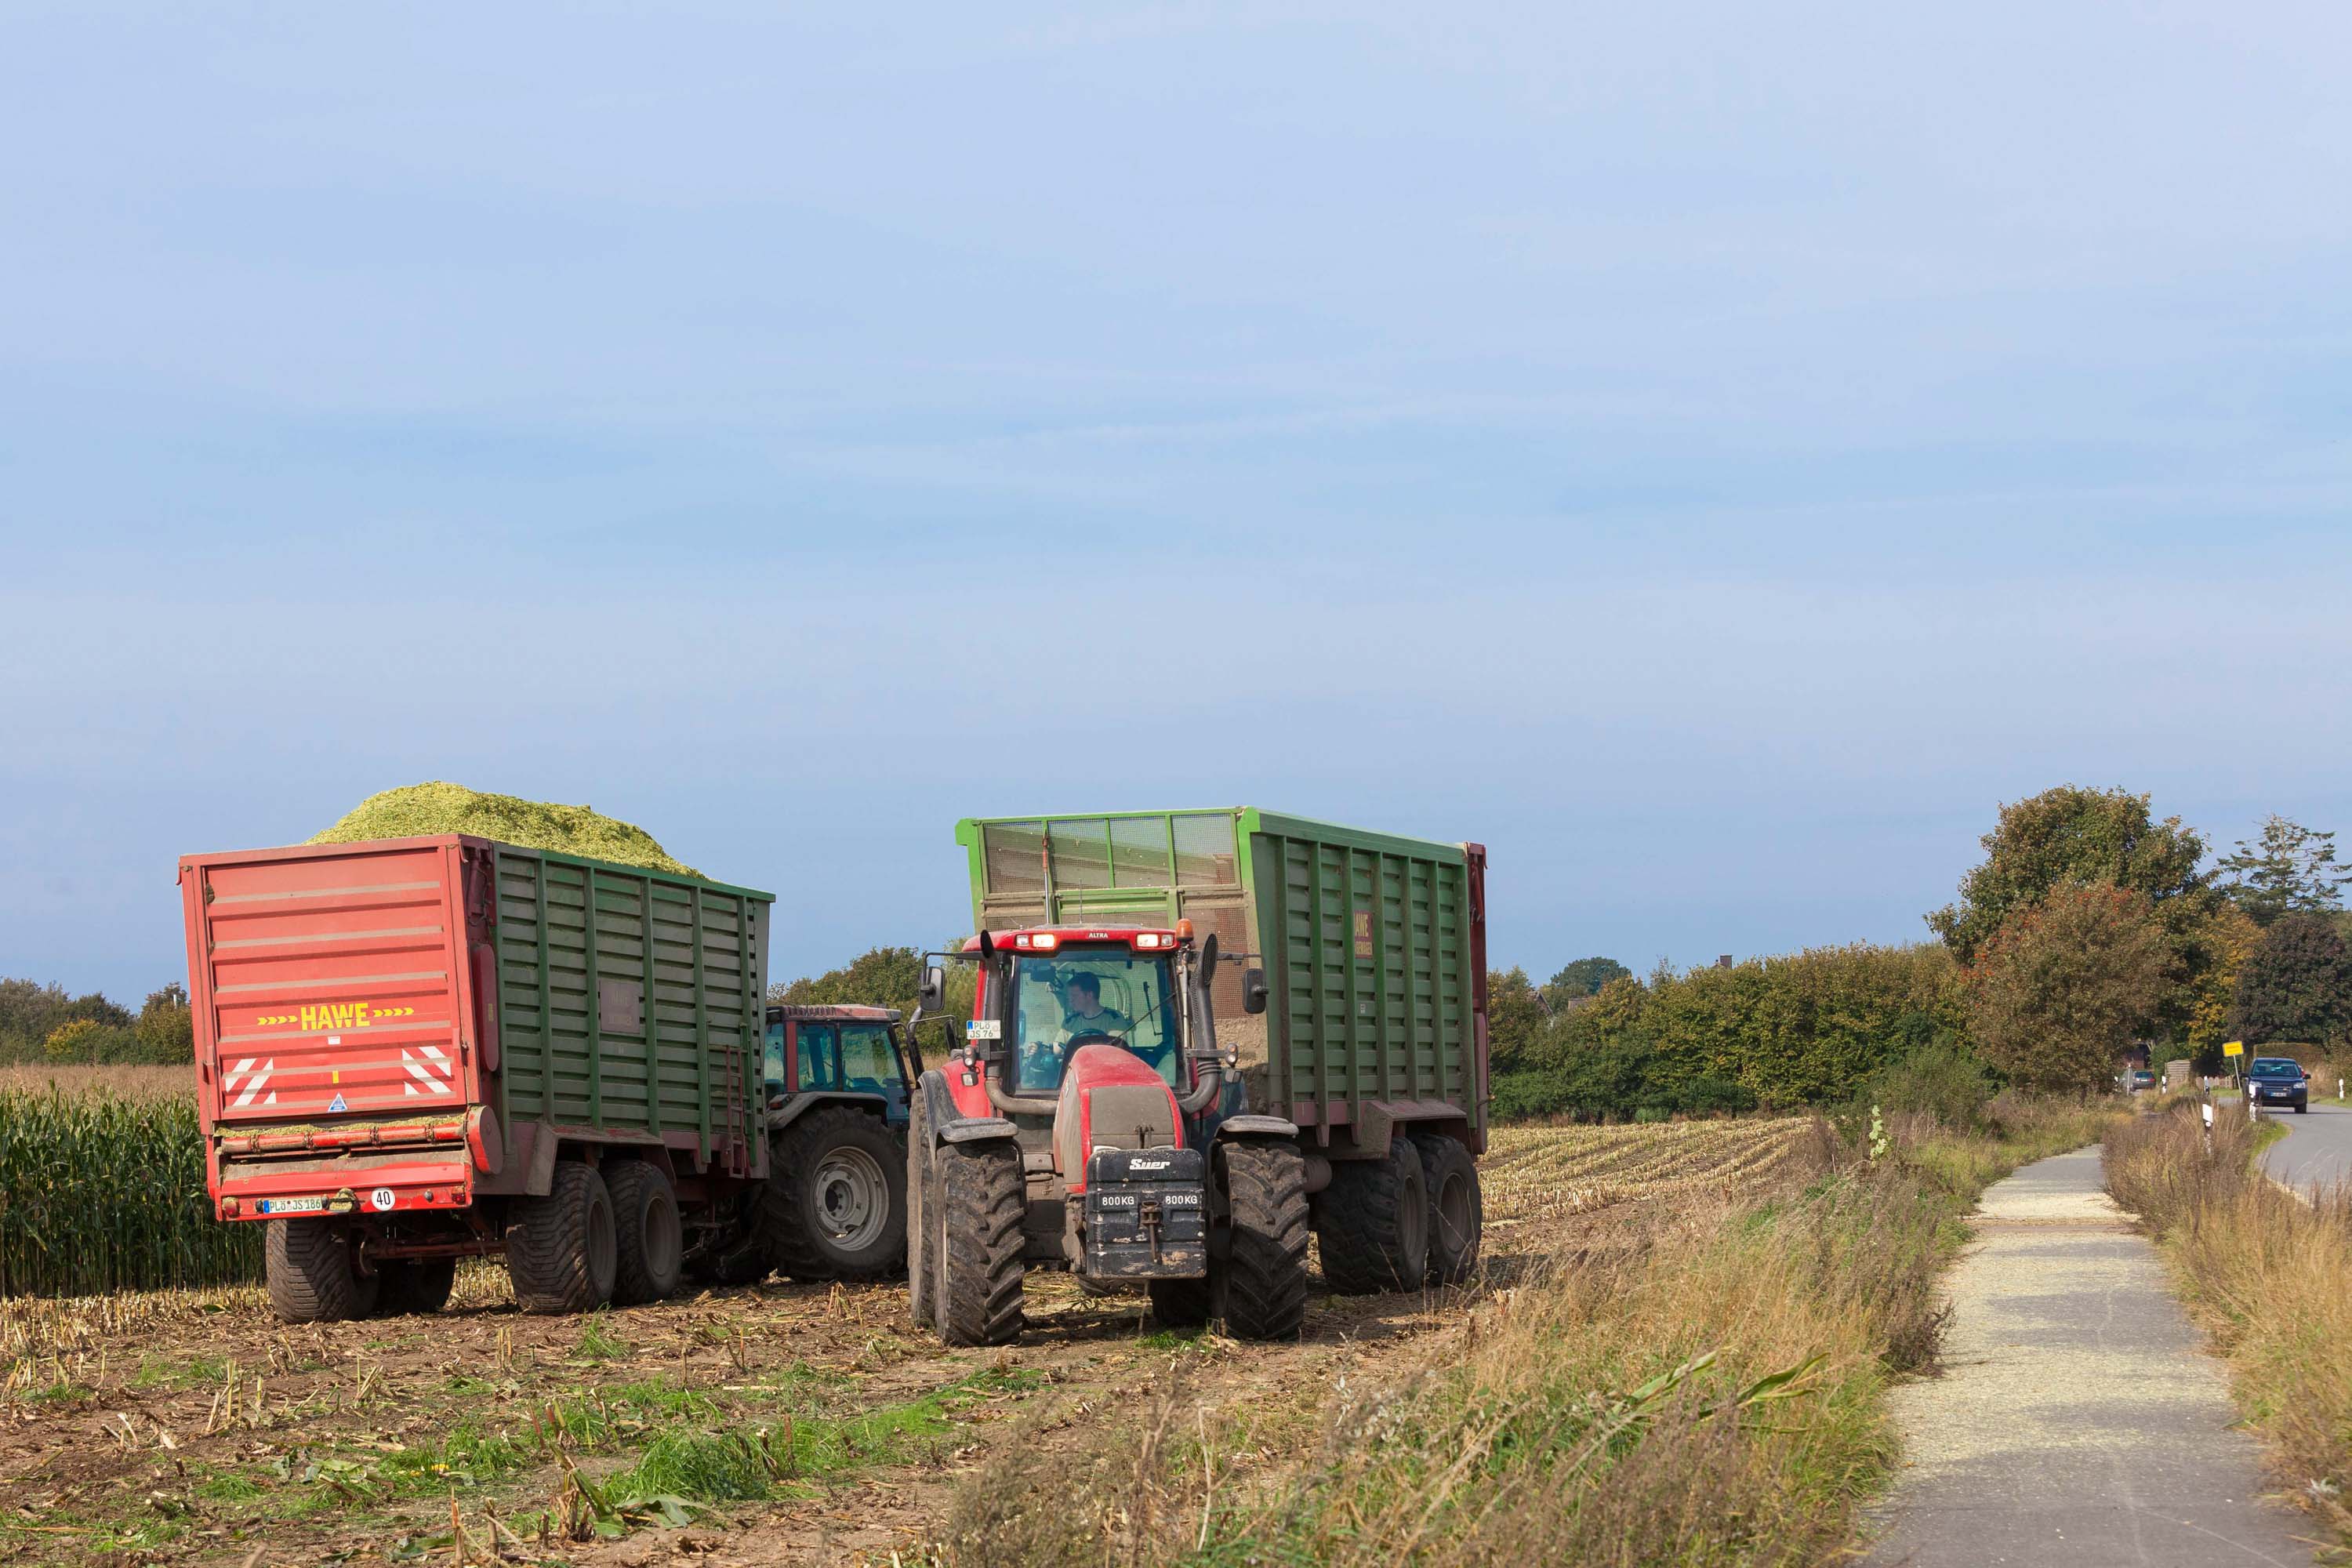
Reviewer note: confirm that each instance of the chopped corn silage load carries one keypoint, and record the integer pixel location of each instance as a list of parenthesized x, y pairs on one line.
[(421, 810)]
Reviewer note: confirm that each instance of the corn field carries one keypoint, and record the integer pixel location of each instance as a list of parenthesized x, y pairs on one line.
[(101, 1191)]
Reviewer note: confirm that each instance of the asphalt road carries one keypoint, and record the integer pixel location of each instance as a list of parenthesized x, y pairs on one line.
[(2077, 1423), (2318, 1148)]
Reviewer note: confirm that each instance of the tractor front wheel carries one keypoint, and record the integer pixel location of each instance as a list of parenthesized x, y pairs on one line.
[(921, 1289), (1263, 1291), (975, 1243)]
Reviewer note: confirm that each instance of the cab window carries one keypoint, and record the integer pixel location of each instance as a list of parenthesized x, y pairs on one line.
[(772, 1058), (816, 1048), (1090, 992), (868, 1066)]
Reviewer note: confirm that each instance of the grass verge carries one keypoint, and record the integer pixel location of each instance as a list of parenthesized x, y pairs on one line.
[(2268, 1273), (1706, 1390)]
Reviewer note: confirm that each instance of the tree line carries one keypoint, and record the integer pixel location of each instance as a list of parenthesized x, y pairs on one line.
[(46, 1024), (2090, 926)]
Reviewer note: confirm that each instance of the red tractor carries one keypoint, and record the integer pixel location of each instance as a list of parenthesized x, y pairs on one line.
[(1090, 1122)]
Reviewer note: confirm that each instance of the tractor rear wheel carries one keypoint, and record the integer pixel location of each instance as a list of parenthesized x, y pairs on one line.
[(649, 1236), (562, 1253), (835, 1203), (975, 1237), (418, 1286), (1262, 1293), (1457, 1211), (313, 1270), (1374, 1222)]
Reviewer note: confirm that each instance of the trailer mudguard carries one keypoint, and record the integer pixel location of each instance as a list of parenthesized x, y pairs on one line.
[(1256, 1127)]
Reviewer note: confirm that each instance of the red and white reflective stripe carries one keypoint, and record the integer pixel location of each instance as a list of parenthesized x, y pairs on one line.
[(253, 1081), (434, 1072)]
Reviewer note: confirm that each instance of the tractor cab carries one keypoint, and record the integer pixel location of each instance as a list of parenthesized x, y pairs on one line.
[(1046, 994), (828, 1052)]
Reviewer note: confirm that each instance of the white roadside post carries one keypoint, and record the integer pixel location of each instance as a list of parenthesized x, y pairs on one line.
[(2208, 1108)]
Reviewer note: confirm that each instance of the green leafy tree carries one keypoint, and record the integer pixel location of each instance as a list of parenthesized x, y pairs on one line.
[(2295, 986), (31, 1013), (1585, 977), (166, 1026), (2224, 943), (2061, 989), (2290, 870), (880, 977), (2071, 836), (1515, 1020), (75, 1040)]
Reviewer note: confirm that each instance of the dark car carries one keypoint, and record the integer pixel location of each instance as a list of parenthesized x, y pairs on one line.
[(2278, 1080)]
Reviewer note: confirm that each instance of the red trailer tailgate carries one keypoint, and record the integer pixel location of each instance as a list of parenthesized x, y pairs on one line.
[(329, 981)]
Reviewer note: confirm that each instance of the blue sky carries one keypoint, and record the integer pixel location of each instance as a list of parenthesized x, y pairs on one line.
[(1711, 456)]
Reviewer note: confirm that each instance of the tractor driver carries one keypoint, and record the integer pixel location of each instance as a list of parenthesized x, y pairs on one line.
[(1083, 1013)]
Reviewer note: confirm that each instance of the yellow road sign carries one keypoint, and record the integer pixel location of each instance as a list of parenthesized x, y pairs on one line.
[(2233, 1049)]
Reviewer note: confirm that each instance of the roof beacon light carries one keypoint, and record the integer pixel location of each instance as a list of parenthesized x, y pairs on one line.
[(1183, 930)]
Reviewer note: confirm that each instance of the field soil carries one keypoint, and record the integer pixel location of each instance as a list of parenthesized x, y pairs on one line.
[(783, 1423)]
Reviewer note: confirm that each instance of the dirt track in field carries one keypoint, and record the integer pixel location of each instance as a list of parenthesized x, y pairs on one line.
[(194, 1430)]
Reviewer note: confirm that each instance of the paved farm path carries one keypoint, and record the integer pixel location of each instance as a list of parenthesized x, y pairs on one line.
[(2076, 1421)]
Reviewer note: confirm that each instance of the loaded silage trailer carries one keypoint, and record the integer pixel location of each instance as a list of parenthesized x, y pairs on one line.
[(413, 1050), (1194, 1034)]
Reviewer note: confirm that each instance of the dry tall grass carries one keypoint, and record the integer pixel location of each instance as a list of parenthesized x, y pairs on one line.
[(2268, 1274), (134, 1082)]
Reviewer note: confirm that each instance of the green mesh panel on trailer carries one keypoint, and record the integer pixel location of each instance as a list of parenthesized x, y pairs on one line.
[(629, 1000)]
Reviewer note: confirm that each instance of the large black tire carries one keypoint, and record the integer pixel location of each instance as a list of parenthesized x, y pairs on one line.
[(313, 1271), (921, 1289), (414, 1286), (1374, 1222), (563, 1252), (1262, 1288), (1457, 1210), (835, 1203), (649, 1236), (975, 1242)]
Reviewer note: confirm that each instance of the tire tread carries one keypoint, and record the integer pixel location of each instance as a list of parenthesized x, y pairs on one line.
[(1265, 1288), (983, 1199)]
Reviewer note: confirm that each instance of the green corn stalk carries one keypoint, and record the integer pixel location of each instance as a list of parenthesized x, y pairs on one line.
[(101, 1192)]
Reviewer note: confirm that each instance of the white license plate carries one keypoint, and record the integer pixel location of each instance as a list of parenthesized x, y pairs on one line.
[(293, 1205)]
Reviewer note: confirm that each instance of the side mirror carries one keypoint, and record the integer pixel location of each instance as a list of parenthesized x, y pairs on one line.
[(1252, 990), (934, 993)]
